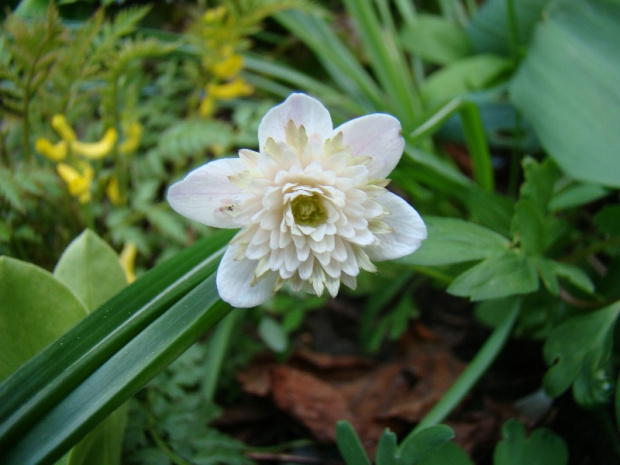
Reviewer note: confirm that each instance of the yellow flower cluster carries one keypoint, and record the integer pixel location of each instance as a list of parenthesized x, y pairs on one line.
[(224, 68), (78, 174)]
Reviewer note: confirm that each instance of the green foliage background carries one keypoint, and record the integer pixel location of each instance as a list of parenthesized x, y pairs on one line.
[(509, 110)]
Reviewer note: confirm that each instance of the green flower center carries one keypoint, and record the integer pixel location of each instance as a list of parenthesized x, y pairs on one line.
[(308, 210)]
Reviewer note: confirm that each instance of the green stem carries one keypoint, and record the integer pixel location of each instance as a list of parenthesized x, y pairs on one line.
[(474, 371), (474, 137), (217, 351)]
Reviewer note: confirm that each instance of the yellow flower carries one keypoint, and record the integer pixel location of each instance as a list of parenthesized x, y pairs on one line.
[(55, 152), (206, 106), (78, 182), (128, 261), (213, 15), (228, 67), (230, 90), (60, 125), (113, 192), (96, 150), (134, 135)]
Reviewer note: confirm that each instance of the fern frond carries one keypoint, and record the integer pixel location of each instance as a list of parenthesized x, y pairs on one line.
[(133, 50), (10, 190), (126, 21), (33, 46)]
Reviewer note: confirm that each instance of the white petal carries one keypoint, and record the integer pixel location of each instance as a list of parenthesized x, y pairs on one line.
[(377, 136), (233, 282), (303, 110), (201, 194), (409, 230)]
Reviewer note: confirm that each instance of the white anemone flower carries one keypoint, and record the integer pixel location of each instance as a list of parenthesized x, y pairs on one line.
[(311, 203)]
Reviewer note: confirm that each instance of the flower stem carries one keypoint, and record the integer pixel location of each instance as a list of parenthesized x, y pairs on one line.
[(474, 371)]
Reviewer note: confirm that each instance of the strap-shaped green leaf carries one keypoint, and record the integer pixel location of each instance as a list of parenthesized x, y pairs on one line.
[(32, 391), (119, 377)]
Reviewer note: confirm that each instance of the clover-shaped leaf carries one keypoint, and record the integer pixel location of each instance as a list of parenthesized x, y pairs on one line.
[(579, 351), (543, 447)]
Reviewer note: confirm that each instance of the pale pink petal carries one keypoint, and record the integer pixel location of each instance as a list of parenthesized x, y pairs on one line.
[(233, 281), (303, 110), (408, 230), (201, 194), (378, 136)]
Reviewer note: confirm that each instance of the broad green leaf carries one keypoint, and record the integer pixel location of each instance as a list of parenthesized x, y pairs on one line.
[(91, 269), (575, 48), (435, 39), (531, 227), (540, 179), (580, 339), (491, 210), (386, 449), (543, 447), (451, 240), (574, 275), (349, 444), (35, 309), (463, 76), (498, 276), (447, 454), (547, 272), (421, 444), (577, 195), (489, 30), (272, 334)]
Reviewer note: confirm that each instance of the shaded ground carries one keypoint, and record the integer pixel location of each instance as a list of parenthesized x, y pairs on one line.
[(327, 380)]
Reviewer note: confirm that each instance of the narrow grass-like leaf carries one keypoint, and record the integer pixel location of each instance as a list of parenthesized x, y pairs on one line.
[(50, 435), (474, 136), (386, 59), (49, 376), (218, 346), (335, 56), (474, 371)]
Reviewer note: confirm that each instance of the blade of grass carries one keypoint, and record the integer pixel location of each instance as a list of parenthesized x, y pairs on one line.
[(409, 15), (53, 432), (474, 137), (387, 60), (337, 59), (37, 386), (474, 371), (299, 81), (218, 346)]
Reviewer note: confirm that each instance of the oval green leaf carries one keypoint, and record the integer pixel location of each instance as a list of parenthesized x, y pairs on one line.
[(91, 269), (35, 309)]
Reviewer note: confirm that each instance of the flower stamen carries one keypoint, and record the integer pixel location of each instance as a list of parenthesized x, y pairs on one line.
[(308, 210)]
